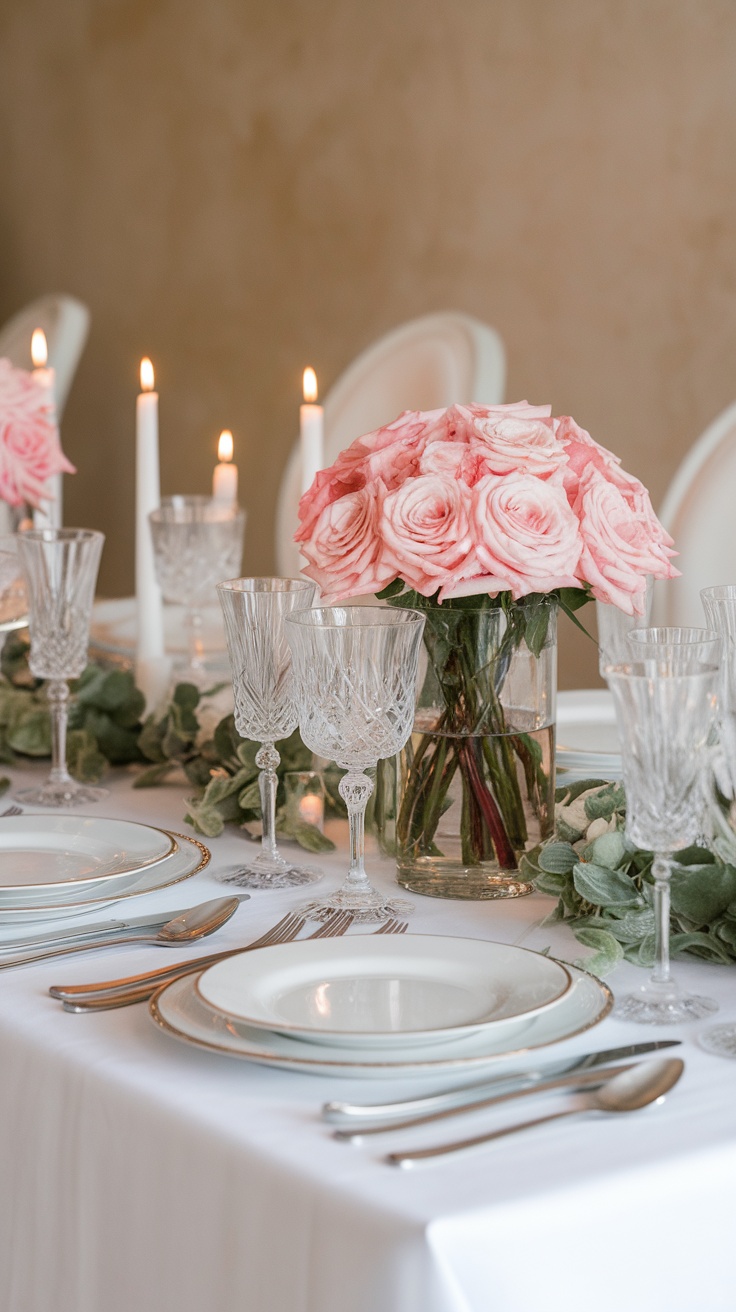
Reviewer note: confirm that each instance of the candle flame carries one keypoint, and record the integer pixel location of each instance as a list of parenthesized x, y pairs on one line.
[(225, 446), (310, 385), (147, 378), (39, 349)]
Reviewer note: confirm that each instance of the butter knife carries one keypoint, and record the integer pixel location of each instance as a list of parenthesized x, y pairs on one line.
[(346, 1113), (573, 1080)]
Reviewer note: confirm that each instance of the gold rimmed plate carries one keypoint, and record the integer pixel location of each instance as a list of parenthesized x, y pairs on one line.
[(179, 1011), (189, 857)]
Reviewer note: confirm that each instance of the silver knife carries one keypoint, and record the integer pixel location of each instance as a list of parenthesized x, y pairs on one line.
[(466, 1094), (575, 1080), (102, 928)]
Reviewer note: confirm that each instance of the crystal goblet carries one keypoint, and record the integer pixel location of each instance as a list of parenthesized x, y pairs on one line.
[(265, 706), (355, 679), (60, 568), (196, 542), (665, 710), (676, 642)]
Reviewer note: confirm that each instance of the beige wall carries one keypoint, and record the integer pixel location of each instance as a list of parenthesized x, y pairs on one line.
[(238, 187)]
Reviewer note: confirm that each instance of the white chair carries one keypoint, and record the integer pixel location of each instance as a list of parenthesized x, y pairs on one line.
[(423, 365), (698, 511), (65, 322)]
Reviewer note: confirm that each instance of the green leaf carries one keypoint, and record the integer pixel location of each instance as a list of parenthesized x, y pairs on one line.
[(601, 805), (86, 763), (558, 858), (249, 798), (310, 837), (31, 733), (186, 696), (604, 887), (701, 893), (607, 850), (205, 819), (155, 774), (607, 951)]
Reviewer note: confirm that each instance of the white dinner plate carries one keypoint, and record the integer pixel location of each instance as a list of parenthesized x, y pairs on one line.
[(587, 738), (190, 857), (63, 858), (380, 991), (179, 1010), (114, 628)]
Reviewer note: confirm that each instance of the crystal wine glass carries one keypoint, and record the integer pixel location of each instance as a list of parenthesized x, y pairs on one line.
[(355, 679), (675, 643), (196, 542), (665, 710), (265, 706), (615, 626), (719, 604), (60, 568)]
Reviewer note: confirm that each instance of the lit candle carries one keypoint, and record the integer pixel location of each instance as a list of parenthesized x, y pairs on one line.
[(49, 513), (311, 426), (151, 666), (312, 809), (225, 477)]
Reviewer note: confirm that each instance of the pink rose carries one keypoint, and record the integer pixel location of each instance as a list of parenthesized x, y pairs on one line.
[(512, 444), (427, 533), (30, 452), (344, 548), (623, 541), (526, 537)]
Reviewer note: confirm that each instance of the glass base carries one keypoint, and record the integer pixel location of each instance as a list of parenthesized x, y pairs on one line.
[(670, 1009), (61, 795), (368, 907), (721, 1040), (471, 883), (272, 874)]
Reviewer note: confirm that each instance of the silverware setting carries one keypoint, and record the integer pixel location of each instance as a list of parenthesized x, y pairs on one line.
[(185, 927), (138, 988), (466, 1095), (11, 810), (635, 1087)]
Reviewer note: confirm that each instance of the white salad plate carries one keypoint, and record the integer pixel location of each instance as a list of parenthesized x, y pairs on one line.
[(189, 857), (587, 738), (62, 858), (180, 1011), (384, 991)]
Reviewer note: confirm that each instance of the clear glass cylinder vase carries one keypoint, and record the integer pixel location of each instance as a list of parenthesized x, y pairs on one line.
[(474, 786)]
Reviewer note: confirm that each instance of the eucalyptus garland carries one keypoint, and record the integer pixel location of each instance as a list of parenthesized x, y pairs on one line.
[(107, 728), (604, 886)]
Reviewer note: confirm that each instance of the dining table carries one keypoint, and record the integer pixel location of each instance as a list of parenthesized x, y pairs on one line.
[(142, 1174)]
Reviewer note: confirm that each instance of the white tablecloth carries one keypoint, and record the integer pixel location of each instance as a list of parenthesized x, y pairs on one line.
[(139, 1175)]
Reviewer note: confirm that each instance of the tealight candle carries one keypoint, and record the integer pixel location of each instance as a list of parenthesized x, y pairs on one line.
[(151, 667), (311, 426), (225, 477), (50, 513)]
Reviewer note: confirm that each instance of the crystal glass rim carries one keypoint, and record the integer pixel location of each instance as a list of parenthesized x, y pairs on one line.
[(60, 534), (359, 617), (656, 636), (250, 584), (719, 592), (226, 512), (639, 670)]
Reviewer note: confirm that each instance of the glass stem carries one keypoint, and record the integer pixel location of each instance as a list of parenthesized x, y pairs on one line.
[(196, 643), (267, 759), (58, 695), (661, 872), (355, 788)]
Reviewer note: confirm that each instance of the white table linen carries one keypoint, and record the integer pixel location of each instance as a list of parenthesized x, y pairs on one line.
[(140, 1175)]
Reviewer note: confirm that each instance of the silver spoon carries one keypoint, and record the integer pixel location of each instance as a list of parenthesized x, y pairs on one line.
[(642, 1084), (191, 925)]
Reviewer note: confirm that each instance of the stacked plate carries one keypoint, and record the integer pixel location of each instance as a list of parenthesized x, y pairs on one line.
[(382, 1006), (52, 866), (587, 739)]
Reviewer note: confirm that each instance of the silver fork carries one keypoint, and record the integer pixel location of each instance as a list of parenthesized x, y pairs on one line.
[(12, 810), (138, 988), (393, 927)]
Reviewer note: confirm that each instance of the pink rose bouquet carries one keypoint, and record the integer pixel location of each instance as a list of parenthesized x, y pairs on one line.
[(485, 518), (477, 500), (30, 451)]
